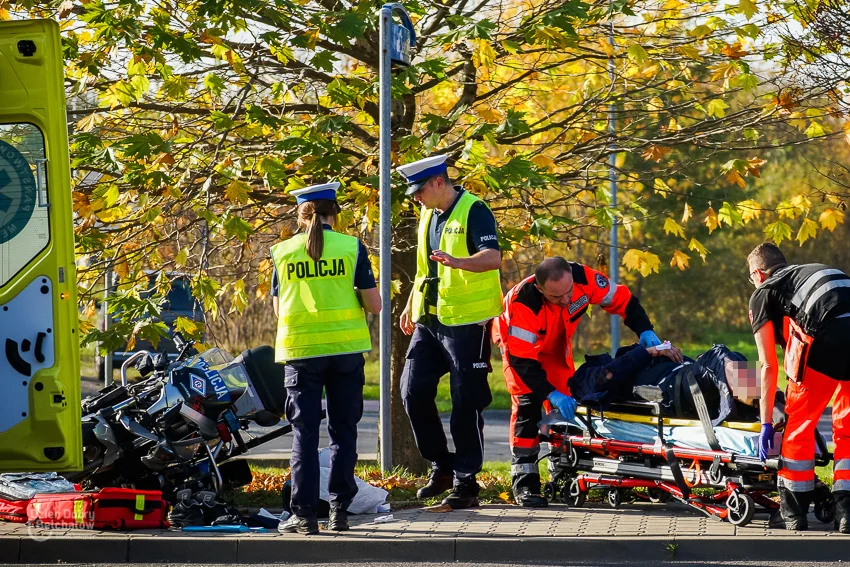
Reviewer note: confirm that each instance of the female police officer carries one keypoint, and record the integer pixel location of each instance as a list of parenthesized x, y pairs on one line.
[(322, 283)]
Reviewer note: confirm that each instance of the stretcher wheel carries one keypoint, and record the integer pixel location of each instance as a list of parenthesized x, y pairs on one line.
[(615, 498), (740, 509), (825, 510), (576, 497), (658, 496), (550, 491)]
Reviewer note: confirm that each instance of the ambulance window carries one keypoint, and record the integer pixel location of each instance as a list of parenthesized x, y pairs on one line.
[(24, 224)]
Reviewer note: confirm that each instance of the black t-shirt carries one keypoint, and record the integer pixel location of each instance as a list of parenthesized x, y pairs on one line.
[(480, 235), (811, 294), (363, 276)]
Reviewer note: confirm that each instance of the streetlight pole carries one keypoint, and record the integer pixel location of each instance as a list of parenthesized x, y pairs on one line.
[(614, 258), (396, 43)]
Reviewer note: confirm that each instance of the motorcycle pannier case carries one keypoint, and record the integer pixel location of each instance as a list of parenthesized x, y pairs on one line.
[(116, 508)]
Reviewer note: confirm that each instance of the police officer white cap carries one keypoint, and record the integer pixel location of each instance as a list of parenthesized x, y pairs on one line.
[(314, 192), (418, 172)]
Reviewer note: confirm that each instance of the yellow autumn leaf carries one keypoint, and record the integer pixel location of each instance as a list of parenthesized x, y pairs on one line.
[(605, 46), (786, 209), (680, 260), (688, 213), (505, 496), (711, 220), (802, 203), (749, 210), (644, 262), (672, 227), (733, 176), (237, 191), (847, 132), (830, 217), (489, 114), (809, 229), (696, 246)]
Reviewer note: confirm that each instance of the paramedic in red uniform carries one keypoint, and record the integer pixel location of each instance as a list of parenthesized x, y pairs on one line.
[(535, 335), (806, 310)]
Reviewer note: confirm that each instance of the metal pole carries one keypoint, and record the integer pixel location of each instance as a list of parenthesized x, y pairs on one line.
[(107, 358), (614, 259), (385, 417)]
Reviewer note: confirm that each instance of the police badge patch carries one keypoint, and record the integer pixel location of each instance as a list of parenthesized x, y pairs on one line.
[(601, 281), (199, 385)]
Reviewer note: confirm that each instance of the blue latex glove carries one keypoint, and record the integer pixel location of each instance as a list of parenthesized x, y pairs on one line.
[(765, 440), (649, 339), (565, 404)]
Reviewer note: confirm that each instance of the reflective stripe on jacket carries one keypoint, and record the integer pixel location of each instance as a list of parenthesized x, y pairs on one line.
[(535, 336)]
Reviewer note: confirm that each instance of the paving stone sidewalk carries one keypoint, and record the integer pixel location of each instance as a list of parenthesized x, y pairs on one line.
[(489, 534)]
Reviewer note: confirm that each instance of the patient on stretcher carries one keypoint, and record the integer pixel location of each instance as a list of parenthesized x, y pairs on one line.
[(728, 383)]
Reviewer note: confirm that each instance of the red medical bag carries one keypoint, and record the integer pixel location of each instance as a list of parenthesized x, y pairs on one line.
[(13, 510), (116, 508)]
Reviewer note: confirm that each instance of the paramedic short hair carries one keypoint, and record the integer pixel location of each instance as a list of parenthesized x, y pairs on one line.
[(551, 269), (766, 256)]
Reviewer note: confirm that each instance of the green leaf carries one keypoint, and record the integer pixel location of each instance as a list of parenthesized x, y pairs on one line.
[(238, 227), (748, 8), (729, 214), (220, 120), (324, 60), (637, 53), (778, 231), (214, 84), (814, 130), (717, 108)]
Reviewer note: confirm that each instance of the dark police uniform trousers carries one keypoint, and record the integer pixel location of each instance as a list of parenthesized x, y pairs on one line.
[(464, 353), (342, 378)]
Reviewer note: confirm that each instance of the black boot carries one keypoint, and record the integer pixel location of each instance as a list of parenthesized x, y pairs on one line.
[(338, 517), (438, 482), (842, 511), (297, 524), (464, 494), (793, 511), (527, 499)]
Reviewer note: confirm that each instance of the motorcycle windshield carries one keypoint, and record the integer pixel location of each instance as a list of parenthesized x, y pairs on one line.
[(210, 359), (235, 375)]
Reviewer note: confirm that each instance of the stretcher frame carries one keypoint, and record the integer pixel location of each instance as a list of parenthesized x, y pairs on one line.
[(581, 460)]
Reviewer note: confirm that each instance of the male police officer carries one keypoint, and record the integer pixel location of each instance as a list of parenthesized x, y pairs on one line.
[(806, 310), (455, 294), (322, 283), (535, 334)]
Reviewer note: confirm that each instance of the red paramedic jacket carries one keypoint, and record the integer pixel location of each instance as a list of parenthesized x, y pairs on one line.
[(536, 337)]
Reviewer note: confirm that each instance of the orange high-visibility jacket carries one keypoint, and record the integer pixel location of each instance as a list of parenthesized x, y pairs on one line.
[(535, 336)]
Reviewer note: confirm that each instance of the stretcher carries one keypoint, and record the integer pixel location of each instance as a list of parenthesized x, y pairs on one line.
[(724, 479)]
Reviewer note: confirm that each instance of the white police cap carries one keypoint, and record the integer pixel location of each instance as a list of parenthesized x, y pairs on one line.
[(314, 192), (418, 172)]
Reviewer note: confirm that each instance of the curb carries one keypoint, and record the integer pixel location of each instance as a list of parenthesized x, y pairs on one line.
[(263, 548)]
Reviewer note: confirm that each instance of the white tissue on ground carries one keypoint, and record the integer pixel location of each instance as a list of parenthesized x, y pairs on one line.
[(369, 499)]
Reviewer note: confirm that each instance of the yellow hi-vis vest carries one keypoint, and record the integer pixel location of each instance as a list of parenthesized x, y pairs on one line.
[(320, 313), (463, 297)]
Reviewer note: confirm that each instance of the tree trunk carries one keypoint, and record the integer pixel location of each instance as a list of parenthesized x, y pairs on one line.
[(404, 451)]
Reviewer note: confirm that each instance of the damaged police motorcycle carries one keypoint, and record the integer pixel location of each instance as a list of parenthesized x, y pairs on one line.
[(179, 426)]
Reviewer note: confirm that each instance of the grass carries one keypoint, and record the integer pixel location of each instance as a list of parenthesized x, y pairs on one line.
[(265, 490), (738, 341)]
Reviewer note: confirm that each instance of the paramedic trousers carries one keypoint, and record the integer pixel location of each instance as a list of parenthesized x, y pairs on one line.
[(526, 413), (341, 376), (828, 359), (463, 352)]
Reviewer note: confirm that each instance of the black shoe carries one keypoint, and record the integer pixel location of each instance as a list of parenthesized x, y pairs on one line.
[(777, 522), (298, 525), (464, 494), (438, 482), (338, 519), (842, 511), (527, 499), (186, 512), (793, 510)]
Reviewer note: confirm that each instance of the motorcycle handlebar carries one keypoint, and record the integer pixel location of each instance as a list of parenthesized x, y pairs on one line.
[(136, 356)]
